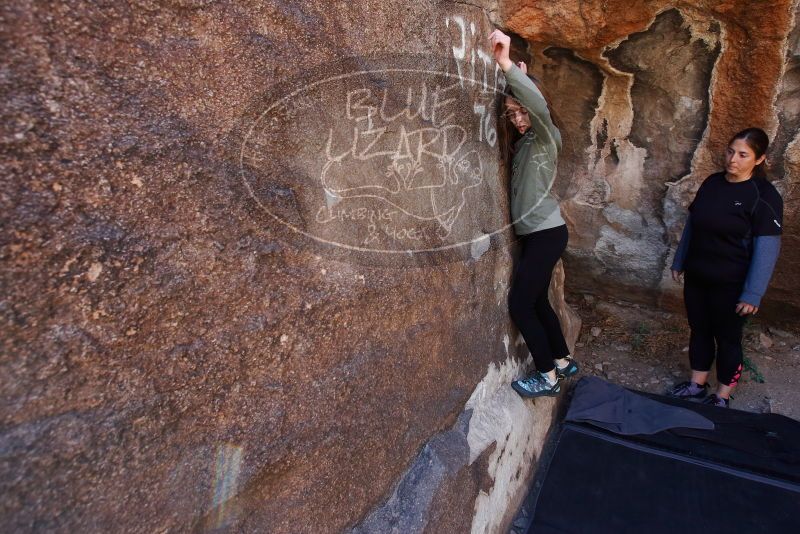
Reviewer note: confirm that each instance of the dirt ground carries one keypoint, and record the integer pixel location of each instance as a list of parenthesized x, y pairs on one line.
[(647, 349)]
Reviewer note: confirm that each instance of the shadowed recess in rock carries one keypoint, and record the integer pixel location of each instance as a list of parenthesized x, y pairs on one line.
[(574, 86), (670, 98), (670, 109)]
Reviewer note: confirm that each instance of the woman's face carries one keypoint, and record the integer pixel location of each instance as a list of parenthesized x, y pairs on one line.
[(740, 160), (518, 115)]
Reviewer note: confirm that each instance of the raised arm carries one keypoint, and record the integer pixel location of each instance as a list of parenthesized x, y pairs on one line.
[(523, 88)]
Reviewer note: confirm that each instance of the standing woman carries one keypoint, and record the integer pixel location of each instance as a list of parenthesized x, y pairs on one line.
[(728, 251), (538, 223)]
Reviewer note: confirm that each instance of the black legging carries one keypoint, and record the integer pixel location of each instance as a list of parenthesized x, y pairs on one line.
[(716, 328), (528, 303)]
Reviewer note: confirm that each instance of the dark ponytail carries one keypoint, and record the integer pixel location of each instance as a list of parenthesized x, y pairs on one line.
[(758, 142)]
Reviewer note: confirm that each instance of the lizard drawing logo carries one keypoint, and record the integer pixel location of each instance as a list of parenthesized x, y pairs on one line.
[(426, 172)]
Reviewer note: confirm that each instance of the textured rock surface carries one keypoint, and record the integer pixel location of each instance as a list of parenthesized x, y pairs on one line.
[(486, 461), (785, 162), (676, 80), (196, 331), (174, 356)]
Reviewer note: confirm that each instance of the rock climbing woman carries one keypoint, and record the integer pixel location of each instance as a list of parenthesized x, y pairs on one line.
[(532, 149)]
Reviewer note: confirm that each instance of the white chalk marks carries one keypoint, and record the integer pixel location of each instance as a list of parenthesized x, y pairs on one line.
[(387, 155), (424, 166), (224, 488)]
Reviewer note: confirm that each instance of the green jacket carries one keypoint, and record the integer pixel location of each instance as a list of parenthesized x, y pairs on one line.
[(533, 170)]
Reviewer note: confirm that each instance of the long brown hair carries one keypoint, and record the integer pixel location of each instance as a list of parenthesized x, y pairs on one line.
[(508, 134)]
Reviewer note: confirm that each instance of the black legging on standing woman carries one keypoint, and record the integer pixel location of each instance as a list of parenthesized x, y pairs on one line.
[(528, 301), (716, 328)]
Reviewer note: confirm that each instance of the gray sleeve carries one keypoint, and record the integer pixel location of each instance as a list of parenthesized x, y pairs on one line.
[(529, 96), (765, 255), (683, 247)]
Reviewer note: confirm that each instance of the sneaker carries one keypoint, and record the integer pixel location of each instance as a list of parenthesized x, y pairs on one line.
[(688, 390), (537, 385), (714, 400), (568, 370)]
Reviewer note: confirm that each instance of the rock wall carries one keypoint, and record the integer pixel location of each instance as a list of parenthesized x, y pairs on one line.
[(255, 261), (649, 92), (784, 158), (255, 256)]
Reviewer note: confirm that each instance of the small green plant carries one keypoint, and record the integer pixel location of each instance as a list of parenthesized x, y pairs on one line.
[(751, 328), (640, 332), (752, 368)]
